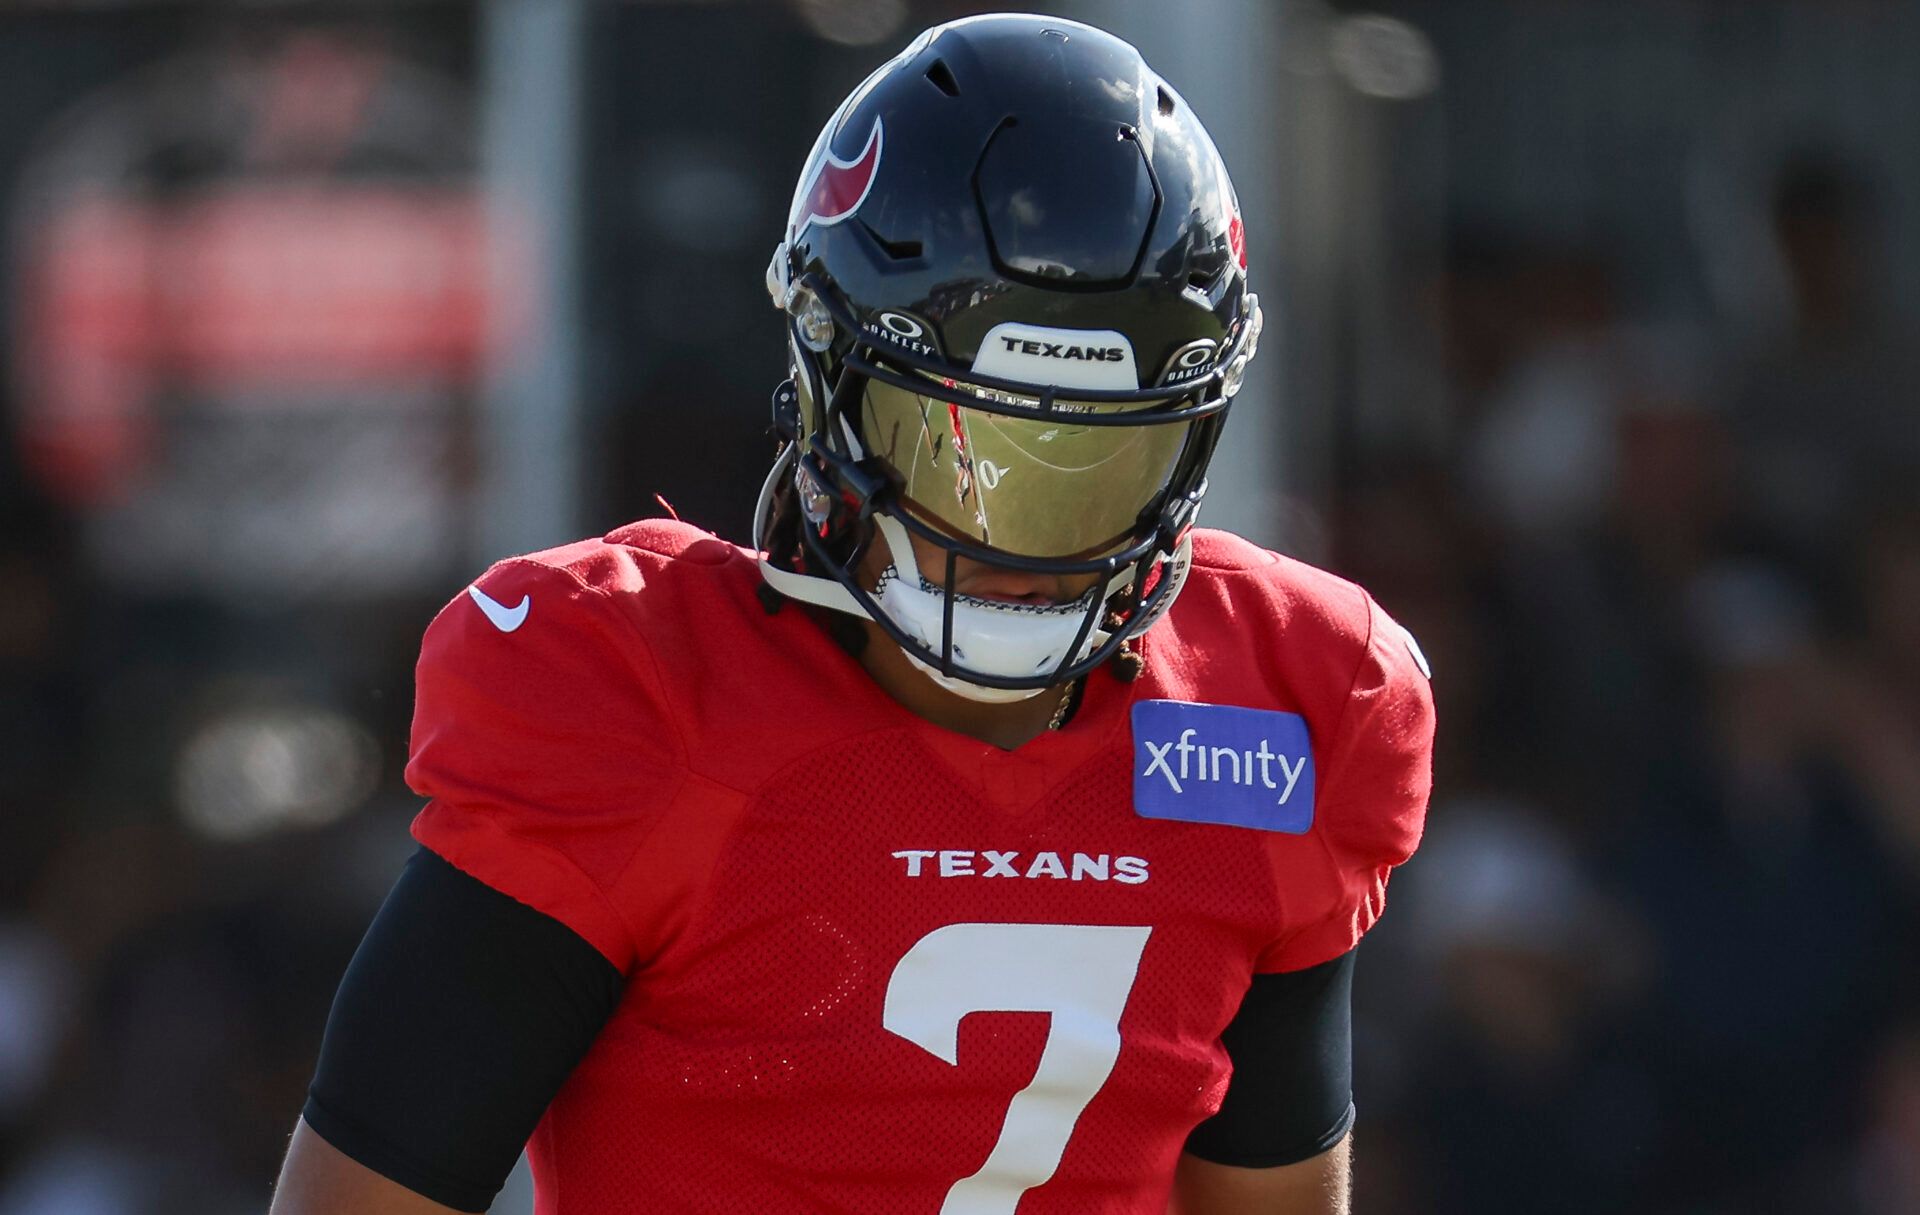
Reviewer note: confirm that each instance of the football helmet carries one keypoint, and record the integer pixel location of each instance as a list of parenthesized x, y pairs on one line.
[(1014, 277)]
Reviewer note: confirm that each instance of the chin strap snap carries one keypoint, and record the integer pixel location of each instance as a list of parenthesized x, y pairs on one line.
[(786, 411)]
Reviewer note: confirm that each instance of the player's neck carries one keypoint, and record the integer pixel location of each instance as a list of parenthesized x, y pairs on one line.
[(1006, 726)]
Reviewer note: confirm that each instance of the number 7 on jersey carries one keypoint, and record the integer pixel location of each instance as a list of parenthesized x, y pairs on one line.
[(1079, 973)]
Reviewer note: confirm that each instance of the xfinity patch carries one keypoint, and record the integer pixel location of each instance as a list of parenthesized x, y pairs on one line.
[(1222, 764), (1070, 358)]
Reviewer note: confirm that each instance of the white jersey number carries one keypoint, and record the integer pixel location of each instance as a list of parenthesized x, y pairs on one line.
[(1081, 974)]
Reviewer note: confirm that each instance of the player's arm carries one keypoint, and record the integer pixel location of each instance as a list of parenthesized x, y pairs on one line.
[(1319, 1186), (1279, 1143), (461, 1015), (320, 1179)]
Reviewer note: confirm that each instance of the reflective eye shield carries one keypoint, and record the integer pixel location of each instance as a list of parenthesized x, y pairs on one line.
[(1038, 422), (1053, 489), (841, 468)]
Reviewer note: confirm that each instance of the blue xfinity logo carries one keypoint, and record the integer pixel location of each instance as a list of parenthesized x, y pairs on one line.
[(1222, 764)]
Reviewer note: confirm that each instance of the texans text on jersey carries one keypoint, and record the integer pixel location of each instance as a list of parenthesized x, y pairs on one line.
[(987, 863)]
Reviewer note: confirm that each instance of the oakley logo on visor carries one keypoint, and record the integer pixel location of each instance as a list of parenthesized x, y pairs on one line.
[(1190, 362), (1071, 358), (903, 330)]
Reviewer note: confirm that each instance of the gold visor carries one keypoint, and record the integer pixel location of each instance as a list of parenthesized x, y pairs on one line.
[(1033, 488)]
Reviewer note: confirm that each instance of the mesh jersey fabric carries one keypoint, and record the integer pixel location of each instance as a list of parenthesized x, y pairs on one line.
[(875, 967)]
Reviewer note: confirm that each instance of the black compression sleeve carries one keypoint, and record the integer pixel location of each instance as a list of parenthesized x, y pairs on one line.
[(1291, 1097), (459, 1018)]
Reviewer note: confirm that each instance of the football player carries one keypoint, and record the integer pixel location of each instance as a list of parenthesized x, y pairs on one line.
[(986, 837)]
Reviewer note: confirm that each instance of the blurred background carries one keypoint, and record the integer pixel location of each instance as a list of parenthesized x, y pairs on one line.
[(1591, 351)]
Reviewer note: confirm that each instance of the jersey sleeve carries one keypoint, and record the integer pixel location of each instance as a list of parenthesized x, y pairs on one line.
[(540, 736), (1374, 789)]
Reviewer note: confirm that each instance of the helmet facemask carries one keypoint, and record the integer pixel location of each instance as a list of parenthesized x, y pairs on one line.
[(1073, 483)]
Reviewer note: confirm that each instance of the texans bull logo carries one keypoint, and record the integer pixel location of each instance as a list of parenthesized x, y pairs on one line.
[(837, 187)]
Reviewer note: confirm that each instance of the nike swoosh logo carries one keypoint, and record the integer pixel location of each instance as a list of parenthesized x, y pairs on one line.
[(504, 618)]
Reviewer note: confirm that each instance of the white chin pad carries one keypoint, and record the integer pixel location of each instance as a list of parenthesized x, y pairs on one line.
[(1014, 640), (1007, 640)]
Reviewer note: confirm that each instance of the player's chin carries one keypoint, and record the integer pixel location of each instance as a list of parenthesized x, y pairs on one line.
[(1040, 592)]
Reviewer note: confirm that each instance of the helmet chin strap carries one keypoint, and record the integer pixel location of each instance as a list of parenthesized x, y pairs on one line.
[(1006, 639)]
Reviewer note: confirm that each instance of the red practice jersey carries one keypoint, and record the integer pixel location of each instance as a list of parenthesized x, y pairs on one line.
[(875, 967)]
